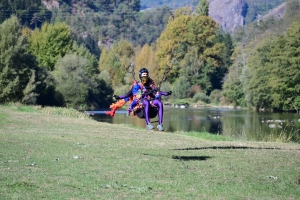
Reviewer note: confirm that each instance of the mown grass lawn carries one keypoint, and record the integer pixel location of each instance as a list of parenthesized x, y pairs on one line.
[(48, 156)]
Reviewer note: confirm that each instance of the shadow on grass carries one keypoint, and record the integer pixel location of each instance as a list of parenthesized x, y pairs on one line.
[(229, 147), (182, 158), (189, 158)]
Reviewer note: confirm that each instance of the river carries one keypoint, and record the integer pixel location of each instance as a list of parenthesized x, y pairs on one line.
[(236, 123)]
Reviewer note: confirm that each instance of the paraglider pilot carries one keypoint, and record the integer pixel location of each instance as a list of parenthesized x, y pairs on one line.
[(151, 97)]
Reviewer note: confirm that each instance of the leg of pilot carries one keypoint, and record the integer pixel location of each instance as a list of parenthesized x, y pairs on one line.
[(146, 104), (160, 107)]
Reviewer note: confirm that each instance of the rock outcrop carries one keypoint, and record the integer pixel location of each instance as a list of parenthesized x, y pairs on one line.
[(51, 4), (228, 13), (231, 14)]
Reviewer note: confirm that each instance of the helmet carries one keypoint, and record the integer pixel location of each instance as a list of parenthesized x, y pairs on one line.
[(144, 75), (143, 70)]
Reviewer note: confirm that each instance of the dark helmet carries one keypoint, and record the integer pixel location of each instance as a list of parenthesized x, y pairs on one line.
[(143, 70), (144, 79)]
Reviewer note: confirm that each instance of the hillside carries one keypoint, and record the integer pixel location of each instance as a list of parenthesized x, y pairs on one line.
[(229, 14)]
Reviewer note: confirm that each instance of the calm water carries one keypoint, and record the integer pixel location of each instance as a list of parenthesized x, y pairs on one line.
[(249, 125)]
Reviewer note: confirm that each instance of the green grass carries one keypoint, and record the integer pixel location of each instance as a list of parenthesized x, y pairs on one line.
[(206, 136), (50, 156)]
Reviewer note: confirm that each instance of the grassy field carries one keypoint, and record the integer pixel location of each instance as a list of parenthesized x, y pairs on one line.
[(44, 155)]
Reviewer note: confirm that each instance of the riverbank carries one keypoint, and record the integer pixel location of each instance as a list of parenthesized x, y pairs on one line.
[(47, 155)]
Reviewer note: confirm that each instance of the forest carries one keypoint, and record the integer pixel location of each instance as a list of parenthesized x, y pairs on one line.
[(78, 55)]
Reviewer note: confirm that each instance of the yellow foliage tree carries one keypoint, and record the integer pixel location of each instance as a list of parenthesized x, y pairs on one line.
[(145, 58), (116, 61), (184, 32), (168, 43)]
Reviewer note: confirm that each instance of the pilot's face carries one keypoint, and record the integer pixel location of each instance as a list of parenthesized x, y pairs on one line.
[(144, 78)]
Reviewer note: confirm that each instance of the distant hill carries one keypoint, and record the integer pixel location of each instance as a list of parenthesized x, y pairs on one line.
[(170, 3), (229, 14)]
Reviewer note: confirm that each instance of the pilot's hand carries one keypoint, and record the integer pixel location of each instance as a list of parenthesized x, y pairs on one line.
[(155, 90), (169, 93), (116, 97)]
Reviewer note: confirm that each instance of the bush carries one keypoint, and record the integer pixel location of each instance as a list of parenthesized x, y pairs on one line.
[(181, 88), (104, 75), (165, 86), (73, 82), (122, 89), (201, 97), (215, 96)]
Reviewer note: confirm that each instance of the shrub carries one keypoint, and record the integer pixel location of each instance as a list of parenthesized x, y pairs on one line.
[(215, 96), (73, 83), (181, 88), (165, 86), (201, 97), (122, 89)]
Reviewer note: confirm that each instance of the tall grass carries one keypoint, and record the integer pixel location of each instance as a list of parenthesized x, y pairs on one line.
[(284, 136), (62, 111), (70, 112)]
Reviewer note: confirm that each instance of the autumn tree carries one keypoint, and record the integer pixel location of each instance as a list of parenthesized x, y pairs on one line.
[(190, 40), (145, 58), (116, 60)]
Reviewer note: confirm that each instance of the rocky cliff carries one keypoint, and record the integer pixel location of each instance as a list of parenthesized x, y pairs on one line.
[(228, 13), (232, 13)]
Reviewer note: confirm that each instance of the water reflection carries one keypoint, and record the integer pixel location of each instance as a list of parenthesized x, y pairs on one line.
[(245, 124)]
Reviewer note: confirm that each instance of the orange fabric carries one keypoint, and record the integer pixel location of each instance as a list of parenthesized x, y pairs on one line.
[(115, 106)]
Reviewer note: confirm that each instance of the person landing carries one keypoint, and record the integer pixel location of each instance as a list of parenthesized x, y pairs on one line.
[(151, 96)]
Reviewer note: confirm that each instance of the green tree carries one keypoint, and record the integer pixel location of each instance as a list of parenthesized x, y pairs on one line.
[(30, 12), (82, 51), (275, 72), (234, 83), (18, 68), (77, 88), (202, 8), (50, 43), (72, 80), (181, 88)]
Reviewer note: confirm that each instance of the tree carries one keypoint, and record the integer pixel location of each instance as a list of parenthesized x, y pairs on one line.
[(50, 43), (30, 12), (116, 61), (275, 73), (202, 8), (190, 46), (145, 58), (72, 80), (181, 88), (18, 68), (167, 45), (82, 51), (234, 87), (79, 89)]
